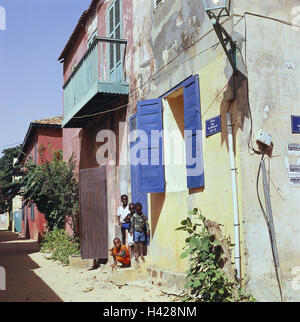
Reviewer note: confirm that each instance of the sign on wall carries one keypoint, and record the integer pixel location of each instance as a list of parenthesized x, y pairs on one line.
[(294, 148), (295, 124), (213, 125), (294, 171)]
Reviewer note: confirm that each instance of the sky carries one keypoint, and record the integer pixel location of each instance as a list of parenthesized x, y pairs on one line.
[(35, 34)]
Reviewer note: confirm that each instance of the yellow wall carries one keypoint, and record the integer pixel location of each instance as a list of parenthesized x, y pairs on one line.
[(215, 200)]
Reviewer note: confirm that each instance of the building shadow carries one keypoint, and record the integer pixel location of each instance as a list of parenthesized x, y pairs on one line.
[(22, 284), (239, 108)]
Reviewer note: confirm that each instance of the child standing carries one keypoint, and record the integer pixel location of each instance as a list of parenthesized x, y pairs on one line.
[(139, 229), (121, 214), (126, 225)]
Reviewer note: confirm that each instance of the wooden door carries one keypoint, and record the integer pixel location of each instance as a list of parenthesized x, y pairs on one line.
[(93, 214)]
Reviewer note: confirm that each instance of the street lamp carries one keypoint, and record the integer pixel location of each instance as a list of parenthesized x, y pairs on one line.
[(216, 9)]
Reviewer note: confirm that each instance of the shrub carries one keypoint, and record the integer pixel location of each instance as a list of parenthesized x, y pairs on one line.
[(53, 188), (206, 281), (60, 245)]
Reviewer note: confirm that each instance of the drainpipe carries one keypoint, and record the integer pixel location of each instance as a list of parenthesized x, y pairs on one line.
[(237, 251)]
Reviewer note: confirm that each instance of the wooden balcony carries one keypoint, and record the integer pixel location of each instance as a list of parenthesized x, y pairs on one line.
[(97, 81)]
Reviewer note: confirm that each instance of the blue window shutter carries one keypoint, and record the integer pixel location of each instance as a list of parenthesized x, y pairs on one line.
[(134, 169), (193, 134), (152, 175), (136, 194)]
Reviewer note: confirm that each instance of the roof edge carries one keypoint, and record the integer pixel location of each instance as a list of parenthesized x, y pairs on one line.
[(79, 25), (31, 127)]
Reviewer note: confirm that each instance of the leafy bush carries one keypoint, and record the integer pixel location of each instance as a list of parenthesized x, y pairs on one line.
[(206, 281), (60, 245), (53, 188)]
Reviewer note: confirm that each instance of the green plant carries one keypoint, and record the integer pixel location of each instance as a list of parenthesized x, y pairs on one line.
[(53, 188), (60, 245), (206, 281), (7, 186)]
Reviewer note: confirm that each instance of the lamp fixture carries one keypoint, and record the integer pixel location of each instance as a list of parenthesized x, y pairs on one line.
[(216, 9)]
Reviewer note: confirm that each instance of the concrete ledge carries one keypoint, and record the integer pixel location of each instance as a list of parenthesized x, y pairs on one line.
[(123, 275), (167, 278), (77, 262)]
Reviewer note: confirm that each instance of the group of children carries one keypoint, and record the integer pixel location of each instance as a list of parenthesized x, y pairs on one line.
[(135, 225)]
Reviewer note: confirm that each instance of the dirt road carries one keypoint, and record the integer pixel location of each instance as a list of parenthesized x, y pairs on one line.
[(31, 277)]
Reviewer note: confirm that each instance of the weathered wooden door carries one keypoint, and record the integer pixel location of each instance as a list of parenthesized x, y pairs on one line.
[(93, 214)]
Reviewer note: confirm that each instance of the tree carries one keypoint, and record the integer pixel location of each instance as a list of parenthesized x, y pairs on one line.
[(7, 171), (53, 188)]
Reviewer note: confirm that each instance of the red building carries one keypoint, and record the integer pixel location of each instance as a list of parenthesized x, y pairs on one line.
[(46, 134)]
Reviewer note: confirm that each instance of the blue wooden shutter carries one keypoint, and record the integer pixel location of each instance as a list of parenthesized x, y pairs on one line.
[(152, 175), (137, 195), (193, 138)]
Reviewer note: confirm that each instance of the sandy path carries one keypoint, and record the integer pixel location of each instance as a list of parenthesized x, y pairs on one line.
[(33, 278)]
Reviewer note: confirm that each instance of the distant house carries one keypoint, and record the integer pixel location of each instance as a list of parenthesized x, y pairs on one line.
[(45, 133)]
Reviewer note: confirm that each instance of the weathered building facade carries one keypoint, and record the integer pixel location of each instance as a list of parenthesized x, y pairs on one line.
[(268, 36), (178, 80), (96, 63), (176, 68), (176, 44)]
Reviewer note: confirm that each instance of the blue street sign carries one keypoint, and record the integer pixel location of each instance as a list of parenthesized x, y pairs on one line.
[(295, 124), (213, 125)]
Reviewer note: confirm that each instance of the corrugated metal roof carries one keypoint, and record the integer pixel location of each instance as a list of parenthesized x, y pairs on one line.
[(80, 24)]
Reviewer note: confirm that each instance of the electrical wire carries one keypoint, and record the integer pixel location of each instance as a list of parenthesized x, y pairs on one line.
[(153, 76), (213, 47), (270, 18), (178, 54), (9, 145), (103, 112)]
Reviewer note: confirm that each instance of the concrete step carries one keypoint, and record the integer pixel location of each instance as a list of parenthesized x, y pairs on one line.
[(133, 273)]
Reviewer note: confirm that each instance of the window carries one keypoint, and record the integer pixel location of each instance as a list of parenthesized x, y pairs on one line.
[(154, 172), (92, 31), (114, 31), (92, 38)]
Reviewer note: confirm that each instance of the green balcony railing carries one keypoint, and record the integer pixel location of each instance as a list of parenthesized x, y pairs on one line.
[(99, 71)]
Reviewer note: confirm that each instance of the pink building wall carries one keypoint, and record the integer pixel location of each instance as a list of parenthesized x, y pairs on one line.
[(82, 142), (43, 137)]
